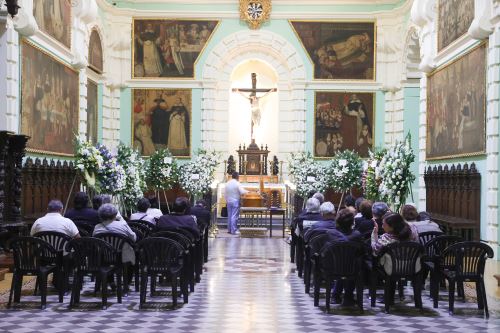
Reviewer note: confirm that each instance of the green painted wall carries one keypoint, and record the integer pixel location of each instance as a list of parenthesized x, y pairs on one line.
[(411, 125)]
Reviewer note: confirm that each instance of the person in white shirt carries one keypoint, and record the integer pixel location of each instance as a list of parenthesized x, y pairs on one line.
[(54, 221), (153, 209), (142, 212), (233, 192)]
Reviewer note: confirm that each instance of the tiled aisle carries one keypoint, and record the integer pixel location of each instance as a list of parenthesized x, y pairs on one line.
[(249, 286)]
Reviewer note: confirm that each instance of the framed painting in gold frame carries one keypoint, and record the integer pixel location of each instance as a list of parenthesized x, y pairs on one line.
[(454, 19), (54, 18), (456, 107), (161, 118), (168, 48), (96, 61), (92, 111), (339, 50), (49, 102), (343, 120)]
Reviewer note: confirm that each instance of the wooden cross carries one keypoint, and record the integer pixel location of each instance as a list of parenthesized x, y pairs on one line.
[(254, 100)]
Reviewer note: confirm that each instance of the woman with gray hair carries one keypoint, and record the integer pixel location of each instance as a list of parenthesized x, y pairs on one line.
[(108, 213), (379, 209)]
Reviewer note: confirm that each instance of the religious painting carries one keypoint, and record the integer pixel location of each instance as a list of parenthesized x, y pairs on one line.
[(343, 120), (49, 102), (454, 19), (456, 107), (161, 118), (168, 48), (95, 52), (54, 18), (92, 111), (339, 50)]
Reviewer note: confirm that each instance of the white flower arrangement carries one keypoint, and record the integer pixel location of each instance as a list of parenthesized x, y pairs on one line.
[(196, 176), (88, 161), (371, 175), (135, 175), (111, 176), (162, 170), (395, 174), (344, 171), (308, 175)]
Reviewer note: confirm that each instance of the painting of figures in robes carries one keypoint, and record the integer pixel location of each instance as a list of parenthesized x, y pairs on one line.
[(456, 107), (92, 111), (54, 18), (339, 50), (95, 52), (343, 120), (168, 48), (454, 19), (161, 118), (49, 102)]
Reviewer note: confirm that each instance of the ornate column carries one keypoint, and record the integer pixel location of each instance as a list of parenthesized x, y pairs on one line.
[(4, 142), (16, 151)]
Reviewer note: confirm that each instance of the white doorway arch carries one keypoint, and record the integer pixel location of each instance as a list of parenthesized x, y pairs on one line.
[(274, 50)]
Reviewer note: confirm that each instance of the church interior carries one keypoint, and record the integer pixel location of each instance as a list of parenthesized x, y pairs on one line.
[(249, 165)]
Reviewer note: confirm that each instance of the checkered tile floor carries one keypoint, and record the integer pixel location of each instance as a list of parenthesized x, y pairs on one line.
[(249, 286)]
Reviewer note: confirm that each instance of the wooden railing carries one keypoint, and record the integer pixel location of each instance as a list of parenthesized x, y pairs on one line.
[(453, 197), (44, 180)]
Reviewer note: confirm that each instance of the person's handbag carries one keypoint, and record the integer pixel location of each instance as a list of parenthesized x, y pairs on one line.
[(223, 211)]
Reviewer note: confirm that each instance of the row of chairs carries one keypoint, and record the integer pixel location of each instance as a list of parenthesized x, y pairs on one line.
[(444, 257), (170, 254)]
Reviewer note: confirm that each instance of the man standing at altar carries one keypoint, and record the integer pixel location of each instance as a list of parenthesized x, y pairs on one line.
[(233, 192)]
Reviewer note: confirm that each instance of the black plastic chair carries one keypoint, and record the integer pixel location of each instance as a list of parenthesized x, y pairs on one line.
[(197, 252), (188, 260), (160, 256), (434, 263), (30, 258), (316, 244), (97, 257), (311, 248), (86, 226), (425, 237), (144, 229), (343, 261), (118, 242), (59, 241), (404, 257), (469, 261), (151, 227), (138, 233)]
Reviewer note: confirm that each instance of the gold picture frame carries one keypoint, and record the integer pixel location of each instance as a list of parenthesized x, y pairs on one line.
[(337, 105), (457, 129), (181, 63), (49, 124), (153, 113), (328, 62)]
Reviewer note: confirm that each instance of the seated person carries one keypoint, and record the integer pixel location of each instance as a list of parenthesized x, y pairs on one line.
[(319, 196), (102, 199), (178, 219), (379, 209), (153, 210), (349, 201), (410, 214), (364, 224), (142, 215), (109, 223), (312, 214), (54, 221), (81, 210), (202, 214), (343, 232), (357, 205), (327, 211), (396, 230)]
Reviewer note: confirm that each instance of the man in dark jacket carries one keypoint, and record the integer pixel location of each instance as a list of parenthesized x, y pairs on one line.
[(178, 219), (81, 211), (327, 211), (202, 214)]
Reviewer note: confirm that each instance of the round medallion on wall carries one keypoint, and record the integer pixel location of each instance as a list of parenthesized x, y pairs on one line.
[(255, 12)]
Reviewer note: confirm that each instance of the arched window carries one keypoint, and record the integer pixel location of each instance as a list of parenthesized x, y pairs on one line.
[(95, 52)]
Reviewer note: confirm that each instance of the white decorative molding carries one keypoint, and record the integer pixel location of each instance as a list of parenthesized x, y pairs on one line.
[(24, 21), (481, 27)]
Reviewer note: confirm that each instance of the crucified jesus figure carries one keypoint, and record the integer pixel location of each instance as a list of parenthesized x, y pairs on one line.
[(254, 101)]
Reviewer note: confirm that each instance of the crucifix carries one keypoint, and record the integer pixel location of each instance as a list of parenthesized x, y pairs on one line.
[(254, 101)]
